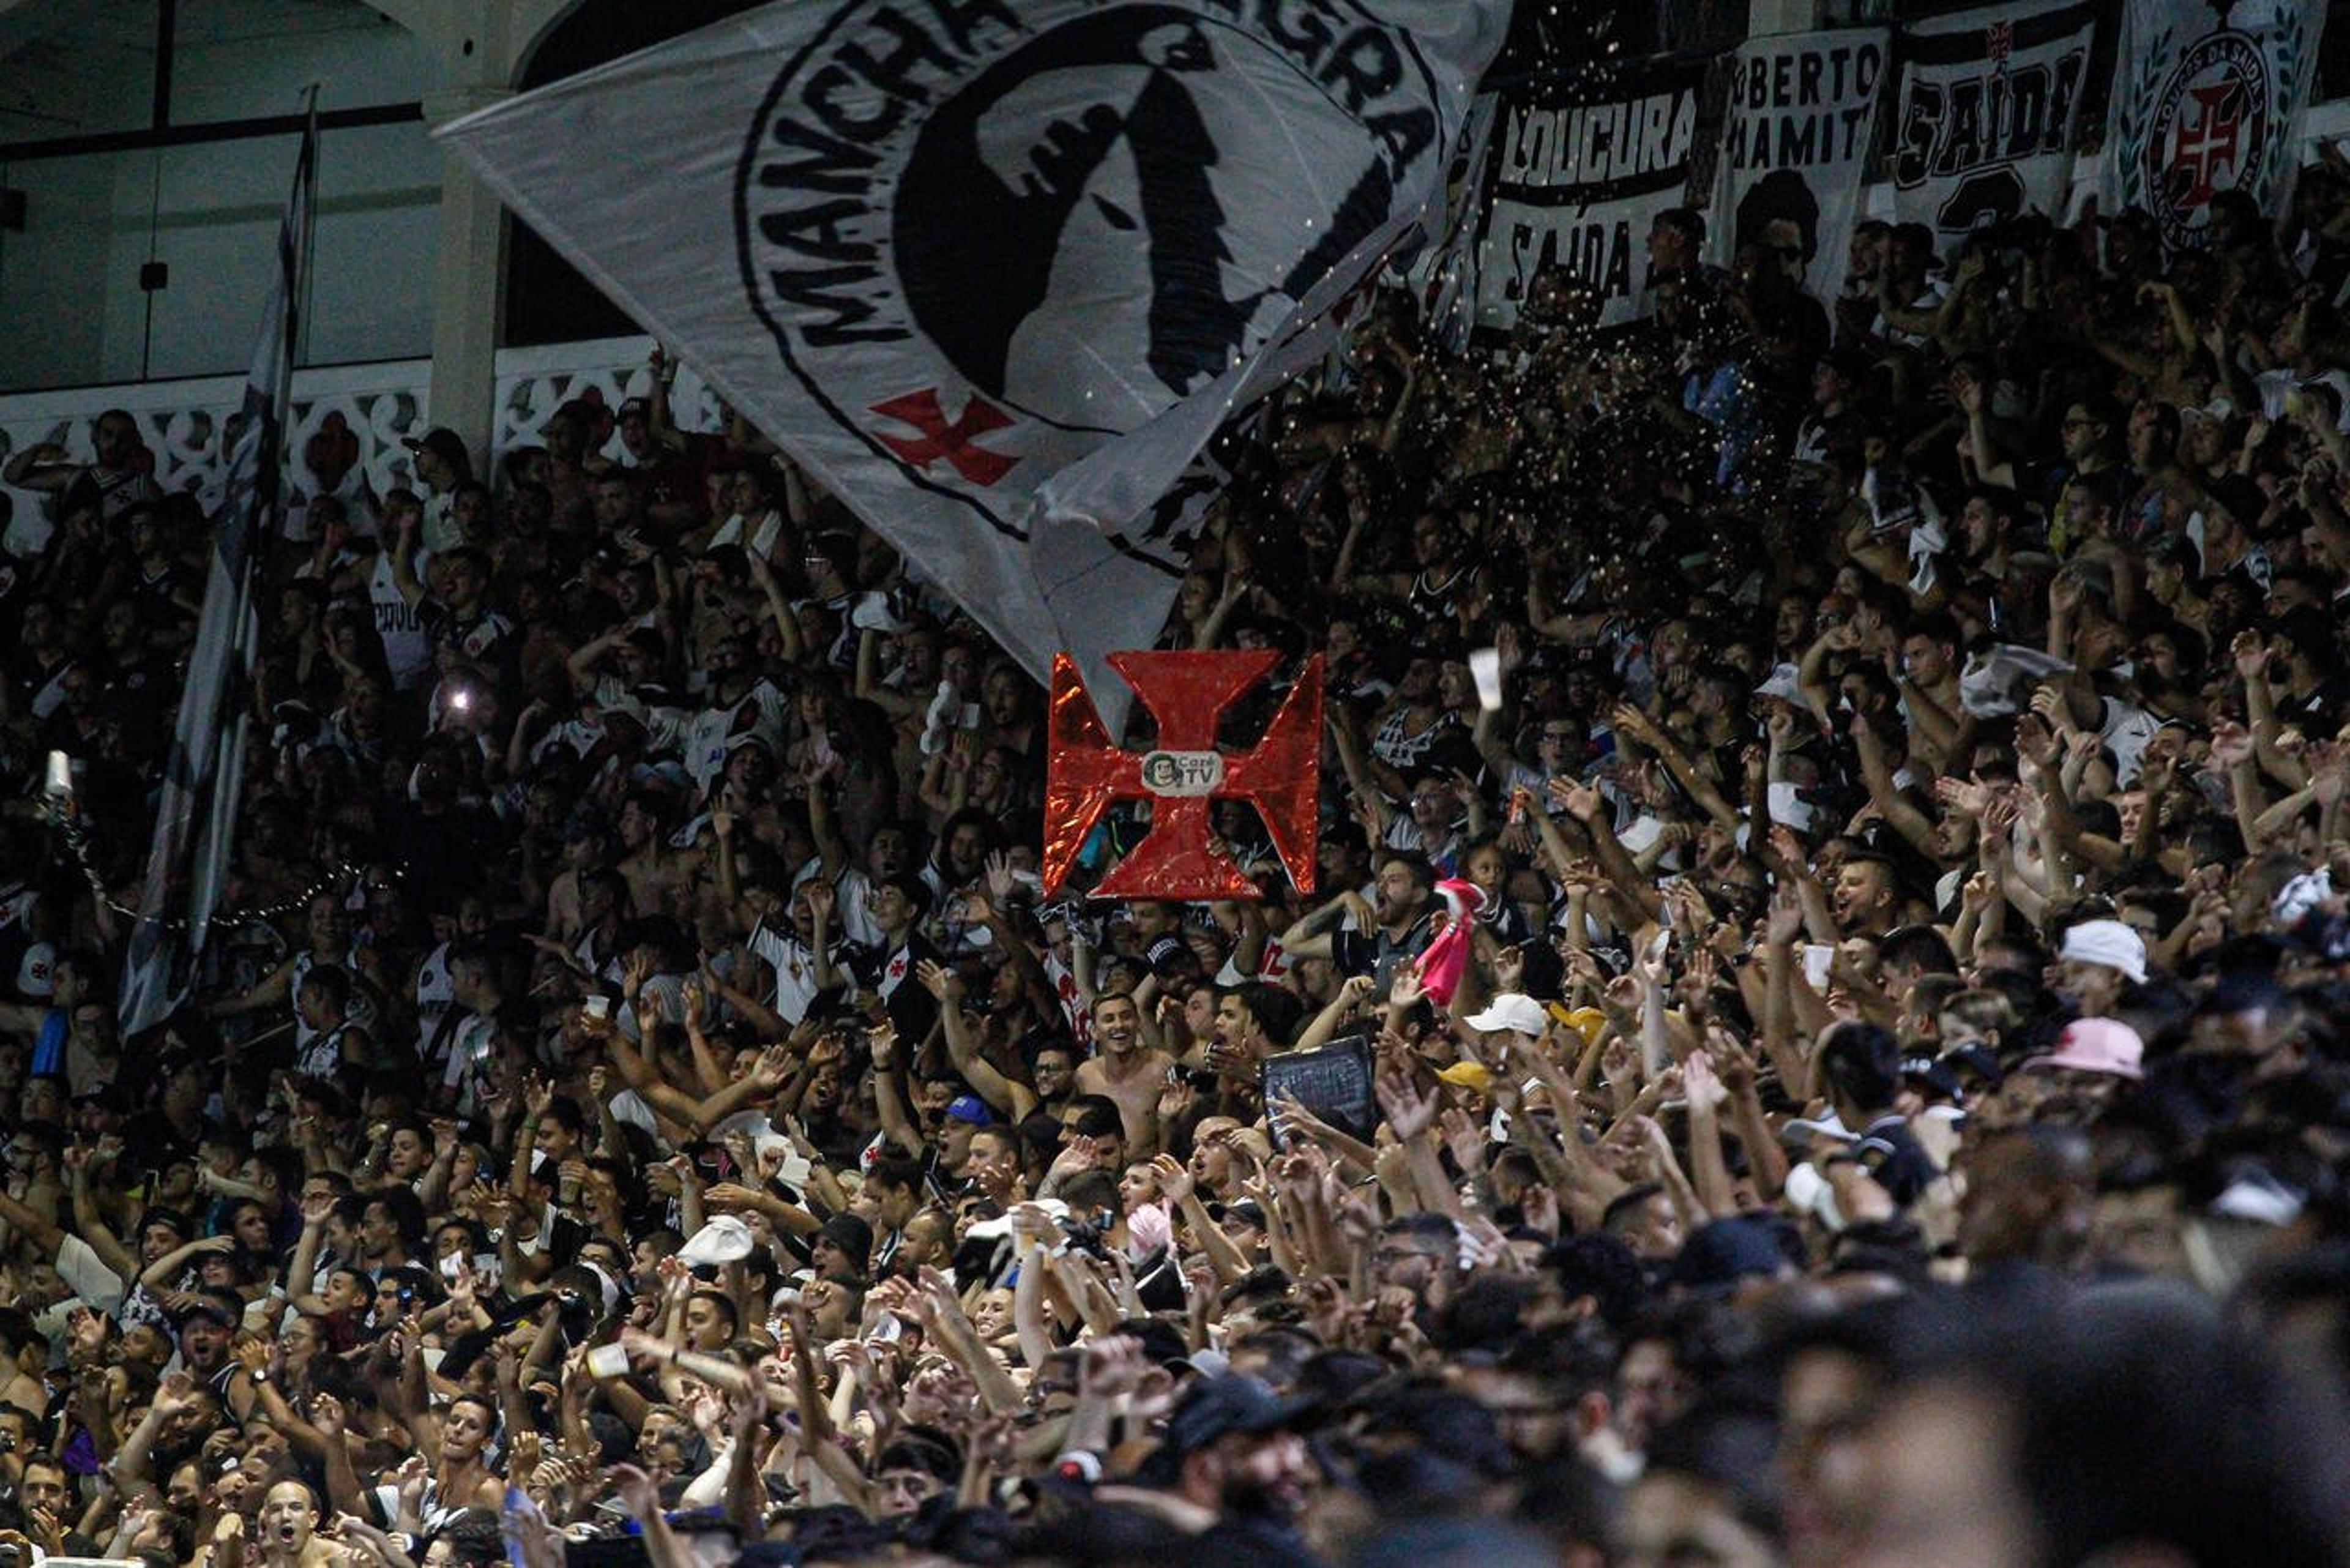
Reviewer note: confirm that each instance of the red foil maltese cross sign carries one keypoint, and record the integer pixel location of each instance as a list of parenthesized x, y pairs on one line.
[(1187, 693)]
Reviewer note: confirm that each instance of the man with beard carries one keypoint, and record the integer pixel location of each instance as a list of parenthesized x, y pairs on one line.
[(1235, 1470), (741, 702), (1388, 930), (44, 1500)]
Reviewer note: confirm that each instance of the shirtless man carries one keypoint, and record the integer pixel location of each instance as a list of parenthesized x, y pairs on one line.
[(1126, 1072), (661, 877), (283, 1535)]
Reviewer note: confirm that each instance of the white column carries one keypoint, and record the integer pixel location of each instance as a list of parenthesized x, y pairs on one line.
[(481, 45), (469, 283)]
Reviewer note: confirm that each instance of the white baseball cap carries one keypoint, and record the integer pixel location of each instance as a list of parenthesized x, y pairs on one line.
[(1512, 1009)]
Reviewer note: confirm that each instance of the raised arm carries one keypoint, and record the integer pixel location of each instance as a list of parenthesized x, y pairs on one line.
[(1015, 1099)]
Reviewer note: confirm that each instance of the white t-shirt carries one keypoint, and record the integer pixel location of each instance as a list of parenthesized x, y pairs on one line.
[(406, 647), (795, 965), (762, 542), (704, 744), (2125, 731), (87, 1275), (433, 996)]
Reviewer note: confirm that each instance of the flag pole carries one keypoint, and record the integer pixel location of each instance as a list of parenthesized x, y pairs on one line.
[(196, 807)]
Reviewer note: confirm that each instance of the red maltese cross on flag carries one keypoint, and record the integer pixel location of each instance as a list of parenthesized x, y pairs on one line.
[(1183, 774)]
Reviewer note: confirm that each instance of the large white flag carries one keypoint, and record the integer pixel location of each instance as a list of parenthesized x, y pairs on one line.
[(995, 272), (196, 810), (2207, 99), (1989, 108)]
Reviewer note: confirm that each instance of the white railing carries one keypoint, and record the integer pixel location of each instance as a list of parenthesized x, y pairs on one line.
[(182, 421)]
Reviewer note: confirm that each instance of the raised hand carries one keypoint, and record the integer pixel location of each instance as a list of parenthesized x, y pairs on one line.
[(1409, 1112), (1969, 797), (1111, 1368), (1174, 1178), (775, 1067), (1579, 801), (637, 1492), (941, 982), (1706, 1090), (1632, 722)]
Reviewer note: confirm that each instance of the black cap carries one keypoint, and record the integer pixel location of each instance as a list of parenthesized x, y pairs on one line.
[(1213, 1408), (1931, 1074), (445, 444), (1247, 1211), (221, 1306), (1717, 1256), (109, 1097)]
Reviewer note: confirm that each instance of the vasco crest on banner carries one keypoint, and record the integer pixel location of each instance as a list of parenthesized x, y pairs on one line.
[(1183, 774), (2213, 123), (2207, 103)]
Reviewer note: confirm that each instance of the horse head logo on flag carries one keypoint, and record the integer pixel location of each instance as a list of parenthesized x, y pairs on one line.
[(1183, 774)]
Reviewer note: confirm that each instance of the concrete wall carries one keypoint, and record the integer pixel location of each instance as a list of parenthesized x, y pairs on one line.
[(71, 311)]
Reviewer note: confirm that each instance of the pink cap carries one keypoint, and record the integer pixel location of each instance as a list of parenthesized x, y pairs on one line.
[(2095, 1045)]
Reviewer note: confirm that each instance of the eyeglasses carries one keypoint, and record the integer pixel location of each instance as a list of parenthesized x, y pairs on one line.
[(1400, 1255)]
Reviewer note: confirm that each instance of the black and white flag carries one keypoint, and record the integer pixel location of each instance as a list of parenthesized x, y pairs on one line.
[(195, 819), (995, 273), (1795, 142), (1988, 114), (1582, 163)]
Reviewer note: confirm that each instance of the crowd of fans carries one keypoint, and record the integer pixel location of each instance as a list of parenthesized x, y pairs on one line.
[(1855, 1032)]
